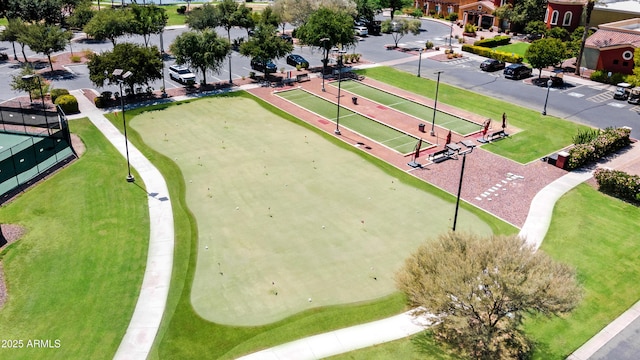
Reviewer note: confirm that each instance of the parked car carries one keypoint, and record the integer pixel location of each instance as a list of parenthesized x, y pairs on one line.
[(517, 71), (492, 65), (622, 91), (181, 74), (262, 65), (634, 96), (287, 38), (297, 60), (361, 30)]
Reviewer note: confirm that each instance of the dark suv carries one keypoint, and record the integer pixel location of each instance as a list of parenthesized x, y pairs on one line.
[(491, 65), (263, 65), (517, 71)]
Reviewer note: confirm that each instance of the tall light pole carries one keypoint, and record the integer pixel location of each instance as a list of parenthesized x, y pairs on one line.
[(464, 158), (549, 83), (164, 89), (450, 36), (324, 59), (29, 78), (435, 105), (121, 77), (420, 61), (340, 53)]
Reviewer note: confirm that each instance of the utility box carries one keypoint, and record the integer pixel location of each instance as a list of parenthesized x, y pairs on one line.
[(563, 157)]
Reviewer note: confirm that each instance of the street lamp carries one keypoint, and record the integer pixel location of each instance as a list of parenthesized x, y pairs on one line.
[(450, 36), (29, 78), (340, 53), (121, 77), (464, 158), (435, 105), (324, 60), (549, 83), (420, 61)]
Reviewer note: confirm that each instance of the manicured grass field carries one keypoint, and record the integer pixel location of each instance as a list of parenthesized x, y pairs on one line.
[(184, 334), (420, 111), (603, 246), (76, 275), (531, 143), (365, 126), (284, 216), (518, 48)]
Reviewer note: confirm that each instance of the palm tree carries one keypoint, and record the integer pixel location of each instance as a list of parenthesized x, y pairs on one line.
[(588, 10)]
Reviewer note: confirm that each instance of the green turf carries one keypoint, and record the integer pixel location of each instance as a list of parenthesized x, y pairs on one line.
[(420, 111), (518, 48), (76, 275), (533, 140), (365, 126), (285, 217)]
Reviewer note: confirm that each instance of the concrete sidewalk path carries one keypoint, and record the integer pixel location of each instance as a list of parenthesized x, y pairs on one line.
[(152, 300)]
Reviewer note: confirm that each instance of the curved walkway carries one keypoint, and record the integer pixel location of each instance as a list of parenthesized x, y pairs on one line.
[(152, 300)]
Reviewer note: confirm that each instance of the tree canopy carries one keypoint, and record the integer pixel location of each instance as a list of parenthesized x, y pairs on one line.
[(201, 50), (335, 26), (546, 52), (265, 45), (109, 24), (45, 39), (395, 5), (476, 290), (147, 20), (144, 63), (399, 28)]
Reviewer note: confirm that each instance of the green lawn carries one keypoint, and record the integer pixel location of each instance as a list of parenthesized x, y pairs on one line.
[(76, 275), (410, 107), (519, 48), (603, 246), (531, 143), (185, 334), (365, 126)]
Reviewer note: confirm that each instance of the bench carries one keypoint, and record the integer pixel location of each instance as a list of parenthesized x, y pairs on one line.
[(441, 155), (302, 77), (288, 81), (496, 135)]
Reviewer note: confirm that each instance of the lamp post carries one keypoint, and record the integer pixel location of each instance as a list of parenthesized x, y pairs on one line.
[(121, 77), (324, 60), (464, 158), (420, 61), (435, 105), (549, 83), (340, 53), (29, 78), (450, 36)]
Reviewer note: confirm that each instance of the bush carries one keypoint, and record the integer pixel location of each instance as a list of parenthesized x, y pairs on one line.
[(603, 77), (493, 42), (469, 28), (4, 56), (68, 104), (99, 102), (55, 93), (76, 59), (619, 184), (608, 141), (428, 45), (452, 17), (182, 9), (490, 53), (584, 137)]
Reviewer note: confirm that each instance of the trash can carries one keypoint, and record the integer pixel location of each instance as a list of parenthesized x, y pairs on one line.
[(354, 100), (552, 159), (563, 156), (421, 127)]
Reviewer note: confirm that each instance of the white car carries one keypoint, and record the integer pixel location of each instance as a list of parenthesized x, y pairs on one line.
[(181, 74), (361, 30)]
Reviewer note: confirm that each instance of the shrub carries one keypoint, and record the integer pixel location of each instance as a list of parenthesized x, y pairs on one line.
[(76, 59), (608, 141), (4, 56), (490, 53), (452, 17), (55, 93), (493, 42), (428, 45), (603, 77), (586, 136), (416, 13), (469, 28), (182, 9), (619, 184), (68, 104), (99, 102)]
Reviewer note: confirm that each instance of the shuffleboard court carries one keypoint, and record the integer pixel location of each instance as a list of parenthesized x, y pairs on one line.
[(372, 129), (456, 124)]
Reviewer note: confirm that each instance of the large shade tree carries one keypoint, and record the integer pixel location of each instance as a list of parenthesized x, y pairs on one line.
[(203, 17), (45, 39), (144, 63), (327, 28), (11, 33), (546, 52), (109, 24), (203, 50), (229, 15), (294, 12), (395, 5), (148, 20), (265, 45), (36, 11), (477, 290)]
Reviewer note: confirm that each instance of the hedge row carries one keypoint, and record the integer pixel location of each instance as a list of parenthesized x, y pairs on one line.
[(493, 42), (490, 53), (68, 104), (609, 141), (619, 184)]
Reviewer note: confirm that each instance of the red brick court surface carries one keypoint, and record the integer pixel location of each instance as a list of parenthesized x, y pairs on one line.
[(495, 184)]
